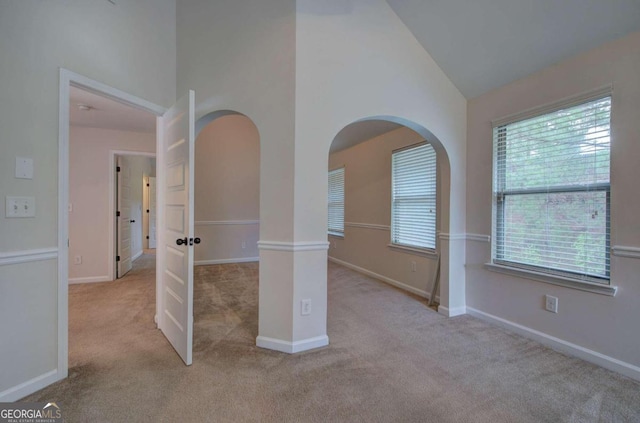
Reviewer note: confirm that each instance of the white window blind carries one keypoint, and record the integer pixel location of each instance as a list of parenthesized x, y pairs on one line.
[(336, 201), (552, 192), (413, 208)]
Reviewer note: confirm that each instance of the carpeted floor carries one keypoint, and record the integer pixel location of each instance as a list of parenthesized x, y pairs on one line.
[(391, 359)]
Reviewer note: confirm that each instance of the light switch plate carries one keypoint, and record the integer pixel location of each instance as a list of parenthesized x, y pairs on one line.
[(24, 168), (20, 206)]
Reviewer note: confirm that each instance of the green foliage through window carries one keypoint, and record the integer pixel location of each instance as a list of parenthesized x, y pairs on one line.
[(552, 191)]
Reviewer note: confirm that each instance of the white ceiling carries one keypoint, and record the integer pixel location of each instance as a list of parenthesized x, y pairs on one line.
[(359, 132), (484, 44), (107, 113)]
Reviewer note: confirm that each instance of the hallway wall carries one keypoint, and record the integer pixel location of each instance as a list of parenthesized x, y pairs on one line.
[(89, 220)]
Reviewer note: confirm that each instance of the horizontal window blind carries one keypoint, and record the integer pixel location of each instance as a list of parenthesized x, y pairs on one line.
[(413, 209), (336, 201), (552, 191)]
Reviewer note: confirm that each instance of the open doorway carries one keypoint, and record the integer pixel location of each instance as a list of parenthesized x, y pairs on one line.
[(98, 123), (134, 206)]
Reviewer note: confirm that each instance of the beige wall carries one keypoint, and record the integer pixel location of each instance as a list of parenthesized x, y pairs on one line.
[(130, 46), (89, 173), (368, 201), (227, 191), (604, 324)]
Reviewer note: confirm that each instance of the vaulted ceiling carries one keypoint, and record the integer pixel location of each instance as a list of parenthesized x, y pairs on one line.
[(484, 44)]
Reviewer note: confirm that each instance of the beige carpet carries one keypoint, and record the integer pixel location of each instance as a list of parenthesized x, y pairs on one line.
[(391, 359)]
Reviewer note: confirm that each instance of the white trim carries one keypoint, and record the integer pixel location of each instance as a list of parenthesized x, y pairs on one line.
[(89, 279), (26, 256), (385, 279), (20, 391), (68, 78), (224, 261), (452, 237), (554, 279), (452, 312), (478, 237), (292, 347), (622, 251), (137, 255), (226, 222), (553, 106), (414, 250), (367, 226), (586, 354), (293, 246)]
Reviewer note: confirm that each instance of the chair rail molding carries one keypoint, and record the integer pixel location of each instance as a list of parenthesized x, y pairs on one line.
[(293, 246), (367, 226), (225, 222), (26, 256), (623, 251)]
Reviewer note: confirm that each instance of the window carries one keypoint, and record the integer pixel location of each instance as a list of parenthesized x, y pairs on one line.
[(413, 202), (551, 186), (336, 202)]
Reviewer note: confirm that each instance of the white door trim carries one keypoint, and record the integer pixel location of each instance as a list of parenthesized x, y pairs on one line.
[(112, 204), (67, 79)]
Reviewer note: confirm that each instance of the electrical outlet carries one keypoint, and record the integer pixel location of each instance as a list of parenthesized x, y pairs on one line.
[(305, 307), (77, 260), (244, 245), (551, 303), (414, 266)]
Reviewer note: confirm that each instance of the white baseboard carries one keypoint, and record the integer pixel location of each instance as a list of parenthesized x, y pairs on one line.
[(89, 279), (382, 278), (29, 387), (586, 354), (224, 261), (136, 255), (292, 347), (452, 312)]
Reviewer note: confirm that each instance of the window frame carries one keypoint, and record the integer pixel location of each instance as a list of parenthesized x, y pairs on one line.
[(582, 281), (333, 232), (411, 248)]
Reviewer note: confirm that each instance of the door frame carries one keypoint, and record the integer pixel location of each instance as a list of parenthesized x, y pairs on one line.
[(113, 203), (67, 79)]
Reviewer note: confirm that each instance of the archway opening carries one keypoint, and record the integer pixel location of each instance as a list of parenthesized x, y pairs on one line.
[(392, 179), (226, 213)]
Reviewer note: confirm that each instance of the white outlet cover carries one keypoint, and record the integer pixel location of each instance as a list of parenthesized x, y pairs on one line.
[(24, 168)]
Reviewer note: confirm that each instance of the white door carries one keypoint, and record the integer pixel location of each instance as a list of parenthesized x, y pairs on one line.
[(152, 212), (175, 226), (123, 215)]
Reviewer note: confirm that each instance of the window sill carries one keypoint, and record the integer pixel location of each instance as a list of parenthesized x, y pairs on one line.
[(553, 279), (414, 250), (336, 234)]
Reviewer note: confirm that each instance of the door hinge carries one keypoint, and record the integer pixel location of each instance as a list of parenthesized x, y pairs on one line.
[(117, 214), (117, 258), (118, 170)]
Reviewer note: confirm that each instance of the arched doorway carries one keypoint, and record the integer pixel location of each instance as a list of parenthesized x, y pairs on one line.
[(402, 240)]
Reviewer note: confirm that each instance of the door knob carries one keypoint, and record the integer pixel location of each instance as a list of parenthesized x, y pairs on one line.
[(181, 241), (132, 221), (196, 240)]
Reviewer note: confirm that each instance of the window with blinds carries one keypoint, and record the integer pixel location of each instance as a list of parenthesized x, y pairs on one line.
[(336, 202), (552, 192), (413, 202)]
